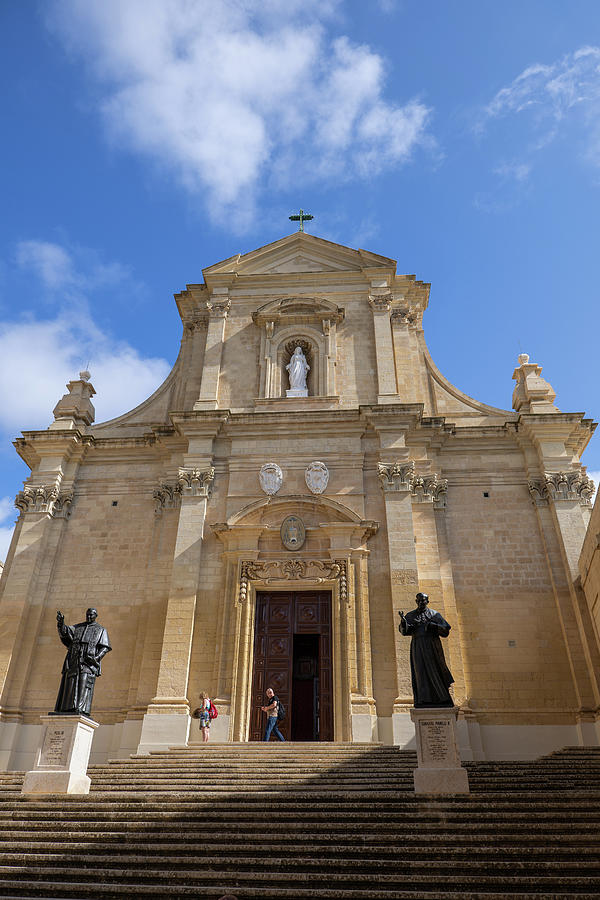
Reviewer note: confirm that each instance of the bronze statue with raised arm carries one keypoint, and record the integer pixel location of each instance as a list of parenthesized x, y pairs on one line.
[(88, 643), (430, 675)]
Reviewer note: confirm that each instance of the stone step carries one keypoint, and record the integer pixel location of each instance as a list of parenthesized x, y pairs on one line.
[(185, 852), (57, 891), (432, 876)]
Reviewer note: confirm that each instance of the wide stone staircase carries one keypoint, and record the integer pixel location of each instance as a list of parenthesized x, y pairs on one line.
[(305, 821)]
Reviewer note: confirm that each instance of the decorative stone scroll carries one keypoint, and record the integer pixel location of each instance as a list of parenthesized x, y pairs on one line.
[(316, 571), (195, 482), (396, 477), (559, 486), (430, 488), (46, 499)]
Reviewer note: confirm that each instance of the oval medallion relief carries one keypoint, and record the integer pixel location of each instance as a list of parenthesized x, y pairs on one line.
[(316, 477), (270, 477), (293, 533)]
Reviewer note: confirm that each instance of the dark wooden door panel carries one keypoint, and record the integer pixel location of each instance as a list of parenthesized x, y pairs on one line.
[(280, 615)]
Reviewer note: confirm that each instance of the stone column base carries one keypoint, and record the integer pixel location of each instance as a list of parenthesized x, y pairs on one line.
[(162, 730), (439, 770), (62, 759)]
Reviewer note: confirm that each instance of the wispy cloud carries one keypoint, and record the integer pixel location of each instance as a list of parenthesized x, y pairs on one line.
[(59, 346), (552, 100), (230, 94)]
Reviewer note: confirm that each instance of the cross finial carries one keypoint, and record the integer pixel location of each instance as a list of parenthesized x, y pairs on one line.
[(302, 218)]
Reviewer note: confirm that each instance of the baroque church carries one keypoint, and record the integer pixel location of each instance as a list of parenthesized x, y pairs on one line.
[(261, 519)]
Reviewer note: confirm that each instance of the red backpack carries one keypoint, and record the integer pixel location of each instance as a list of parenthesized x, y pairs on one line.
[(212, 712)]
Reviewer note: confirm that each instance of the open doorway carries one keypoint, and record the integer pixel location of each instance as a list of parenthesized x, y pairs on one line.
[(292, 655), (305, 688)]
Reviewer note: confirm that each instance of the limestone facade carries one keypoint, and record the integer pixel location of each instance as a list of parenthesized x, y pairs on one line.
[(589, 578), (160, 520)]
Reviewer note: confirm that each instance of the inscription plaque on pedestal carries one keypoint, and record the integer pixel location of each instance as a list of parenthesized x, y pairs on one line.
[(55, 748), (439, 770)]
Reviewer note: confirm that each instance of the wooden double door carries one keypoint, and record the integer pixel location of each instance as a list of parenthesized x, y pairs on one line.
[(292, 654)]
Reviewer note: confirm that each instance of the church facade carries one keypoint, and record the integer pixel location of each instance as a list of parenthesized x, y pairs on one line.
[(260, 520)]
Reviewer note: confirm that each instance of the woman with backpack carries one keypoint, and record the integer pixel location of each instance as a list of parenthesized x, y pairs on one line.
[(204, 715)]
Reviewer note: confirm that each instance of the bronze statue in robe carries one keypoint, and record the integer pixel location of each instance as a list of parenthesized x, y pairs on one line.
[(431, 677), (88, 643)]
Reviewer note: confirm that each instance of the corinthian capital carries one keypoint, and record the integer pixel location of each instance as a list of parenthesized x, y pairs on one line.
[(47, 499), (569, 486), (195, 482), (380, 302), (430, 488), (397, 476), (218, 307)]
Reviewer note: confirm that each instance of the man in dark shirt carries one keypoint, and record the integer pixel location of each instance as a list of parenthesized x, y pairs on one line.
[(271, 710)]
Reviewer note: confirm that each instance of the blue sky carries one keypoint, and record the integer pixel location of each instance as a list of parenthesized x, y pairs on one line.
[(145, 140)]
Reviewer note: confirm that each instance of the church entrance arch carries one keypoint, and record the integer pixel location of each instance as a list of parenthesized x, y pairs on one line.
[(293, 655)]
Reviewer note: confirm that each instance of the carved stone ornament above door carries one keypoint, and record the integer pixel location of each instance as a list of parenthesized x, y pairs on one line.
[(270, 477), (293, 533), (316, 477)]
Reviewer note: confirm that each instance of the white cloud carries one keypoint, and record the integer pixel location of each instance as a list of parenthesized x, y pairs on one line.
[(57, 348), (513, 171), (56, 267), (552, 98), (8, 514), (594, 474), (228, 94)]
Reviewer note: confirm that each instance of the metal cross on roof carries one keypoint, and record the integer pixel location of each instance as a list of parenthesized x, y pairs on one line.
[(302, 218)]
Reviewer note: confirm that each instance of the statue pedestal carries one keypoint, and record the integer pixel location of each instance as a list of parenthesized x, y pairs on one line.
[(62, 758), (297, 393), (439, 770)]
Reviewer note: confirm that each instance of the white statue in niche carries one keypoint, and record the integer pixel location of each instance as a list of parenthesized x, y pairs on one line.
[(297, 369)]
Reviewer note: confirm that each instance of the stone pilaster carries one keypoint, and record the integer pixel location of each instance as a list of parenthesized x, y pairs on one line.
[(396, 480), (218, 309), (44, 505), (559, 498), (387, 390)]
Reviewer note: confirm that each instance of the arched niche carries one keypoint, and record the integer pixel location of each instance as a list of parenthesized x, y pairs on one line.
[(309, 322)]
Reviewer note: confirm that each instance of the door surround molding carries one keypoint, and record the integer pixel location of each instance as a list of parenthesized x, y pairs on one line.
[(338, 565)]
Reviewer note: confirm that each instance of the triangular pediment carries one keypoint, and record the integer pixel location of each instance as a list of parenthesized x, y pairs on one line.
[(298, 253)]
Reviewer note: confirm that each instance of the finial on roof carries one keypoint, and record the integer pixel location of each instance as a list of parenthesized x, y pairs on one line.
[(532, 393), (75, 409)]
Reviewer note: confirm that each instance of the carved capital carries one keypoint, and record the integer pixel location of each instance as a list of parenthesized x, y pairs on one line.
[(538, 491), (430, 488), (195, 321), (569, 486), (193, 482), (314, 571), (559, 486), (396, 477), (218, 309), (380, 303), (166, 496), (405, 315), (47, 499)]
